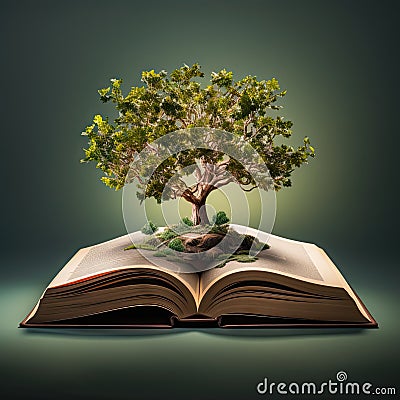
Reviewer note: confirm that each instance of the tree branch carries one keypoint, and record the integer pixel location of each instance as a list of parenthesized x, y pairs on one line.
[(248, 190), (188, 196), (224, 182)]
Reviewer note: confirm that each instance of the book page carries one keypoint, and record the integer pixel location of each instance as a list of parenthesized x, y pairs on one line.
[(289, 257), (112, 256)]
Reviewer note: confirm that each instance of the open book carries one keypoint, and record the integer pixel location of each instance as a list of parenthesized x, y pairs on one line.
[(290, 284)]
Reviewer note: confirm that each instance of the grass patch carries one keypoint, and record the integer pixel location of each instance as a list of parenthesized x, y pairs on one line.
[(168, 234), (145, 246), (242, 258), (175, 259), (159, 254)]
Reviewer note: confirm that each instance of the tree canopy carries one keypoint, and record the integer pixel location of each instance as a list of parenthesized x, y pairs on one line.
[(169, 102)]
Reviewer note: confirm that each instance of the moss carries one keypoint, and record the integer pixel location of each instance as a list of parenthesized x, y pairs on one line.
[(175, 259), (149, 228), (167, 234), (221, 229), (247, 241), (261, 246), (151, 241), (244, 258), (167, 252), (145, 246), (187, 221), (149, 244), (159, 254), (220, 218), (177, 245)]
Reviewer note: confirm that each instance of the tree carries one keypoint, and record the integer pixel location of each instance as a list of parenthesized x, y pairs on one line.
[(166, 103)]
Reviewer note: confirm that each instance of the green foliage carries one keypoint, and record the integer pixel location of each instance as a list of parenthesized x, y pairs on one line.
[(243, 258), (221, 229), (220, 218), (166, 252), (149, 228), (168, 102), (143, 246), (167, 234), (176, 244), (248, 241), (187, 221), (159, 254), (176, 259), (146, 246), (259, 246), (151, 241)]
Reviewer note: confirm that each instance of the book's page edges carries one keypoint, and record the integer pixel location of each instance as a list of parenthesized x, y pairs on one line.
[(130, 317), (360, 305), (68, 326), (124, 268), (330, 278), (255, 321), (194, 322), (224, 321)]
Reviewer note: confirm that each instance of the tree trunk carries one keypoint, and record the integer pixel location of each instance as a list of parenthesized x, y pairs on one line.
[(199, 213)]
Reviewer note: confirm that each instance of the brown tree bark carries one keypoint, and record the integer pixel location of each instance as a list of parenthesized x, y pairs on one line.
[(199, 213), (213, 177)]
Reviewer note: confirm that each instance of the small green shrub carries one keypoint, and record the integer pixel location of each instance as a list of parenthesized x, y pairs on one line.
[(149, 228), (220, 218), (222, 230), (176, 244), (167, 234), (187, 221), (248, 241)]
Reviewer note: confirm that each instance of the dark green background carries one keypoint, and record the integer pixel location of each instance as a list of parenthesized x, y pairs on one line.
[(339, 62)]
